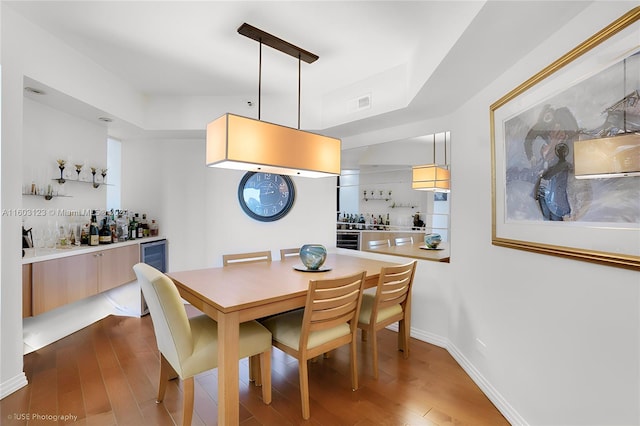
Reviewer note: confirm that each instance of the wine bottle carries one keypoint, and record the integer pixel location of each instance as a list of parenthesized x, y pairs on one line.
[(105, 233), (94, 233), (133, 228)]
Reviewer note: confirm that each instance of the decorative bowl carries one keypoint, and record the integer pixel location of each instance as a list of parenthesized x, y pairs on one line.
[(432, 240), (313, 256)]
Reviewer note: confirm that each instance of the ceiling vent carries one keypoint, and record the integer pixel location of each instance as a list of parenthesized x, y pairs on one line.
[(360, 103)]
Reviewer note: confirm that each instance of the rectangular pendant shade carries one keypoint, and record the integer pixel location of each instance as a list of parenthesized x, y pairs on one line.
[(617, 156), (241, 143), (431, 178)]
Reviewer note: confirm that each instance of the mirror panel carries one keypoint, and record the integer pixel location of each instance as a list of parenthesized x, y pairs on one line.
[(376, 200)]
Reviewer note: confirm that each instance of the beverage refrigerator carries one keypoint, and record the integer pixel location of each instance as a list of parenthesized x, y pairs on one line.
[(153, 253)]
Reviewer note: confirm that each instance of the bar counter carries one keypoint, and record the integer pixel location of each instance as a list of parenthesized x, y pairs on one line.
[(416, 251)]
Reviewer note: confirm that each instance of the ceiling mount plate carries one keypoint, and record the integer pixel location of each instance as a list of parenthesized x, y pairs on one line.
[(277, 43)]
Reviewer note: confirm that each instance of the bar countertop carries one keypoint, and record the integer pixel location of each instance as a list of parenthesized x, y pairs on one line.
[(33, 255), (416, 251)]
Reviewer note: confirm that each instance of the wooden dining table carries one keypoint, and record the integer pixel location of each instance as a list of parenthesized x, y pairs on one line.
[(243, 292)]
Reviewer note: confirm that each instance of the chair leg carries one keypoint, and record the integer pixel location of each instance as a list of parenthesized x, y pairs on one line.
[(354, 364), (364, 334), (254, 369), (265, 367), (304, 388), (165, 373), (403, 338), (374, 349), (187, 403), (255, 374)]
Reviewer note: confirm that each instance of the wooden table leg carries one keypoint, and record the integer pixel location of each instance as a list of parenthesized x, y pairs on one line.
[(228, 375)]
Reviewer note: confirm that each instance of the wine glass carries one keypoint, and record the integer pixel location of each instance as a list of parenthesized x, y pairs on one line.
[(78, 169)]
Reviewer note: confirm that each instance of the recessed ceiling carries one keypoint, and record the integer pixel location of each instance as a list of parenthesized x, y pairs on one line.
[(442, 51)]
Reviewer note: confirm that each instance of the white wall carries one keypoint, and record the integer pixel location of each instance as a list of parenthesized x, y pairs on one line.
[(198, 209), (29, 51), (48, 135), (562, 336), (11, 374)]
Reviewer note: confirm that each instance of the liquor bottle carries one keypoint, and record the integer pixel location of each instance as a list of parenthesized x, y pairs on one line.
[(105, 233), (122, 227), (133, 228), (153, 228), (72, 236), (113, 227), (139, 230), (84, 234), (146, 231), (94, 233)]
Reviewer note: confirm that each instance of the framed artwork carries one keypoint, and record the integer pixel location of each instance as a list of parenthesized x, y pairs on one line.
[(540, 203)]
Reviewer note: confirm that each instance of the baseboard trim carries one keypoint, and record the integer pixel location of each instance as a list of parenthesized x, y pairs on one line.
[(510, 413), (12, 385), (492, 393)]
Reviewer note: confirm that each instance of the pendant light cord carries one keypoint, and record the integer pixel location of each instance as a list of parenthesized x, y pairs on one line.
[(299, 86), (259, 79), (445, 150), (434, 149)]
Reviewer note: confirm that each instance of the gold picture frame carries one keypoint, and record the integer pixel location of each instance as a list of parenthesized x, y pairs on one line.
[(538, 204)]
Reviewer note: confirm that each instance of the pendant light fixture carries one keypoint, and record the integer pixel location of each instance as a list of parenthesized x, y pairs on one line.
[(615, 152), (432, 177), (241, 143)]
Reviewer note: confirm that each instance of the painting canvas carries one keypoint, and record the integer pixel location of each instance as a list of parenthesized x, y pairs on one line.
[(588, 97), (539, 185)]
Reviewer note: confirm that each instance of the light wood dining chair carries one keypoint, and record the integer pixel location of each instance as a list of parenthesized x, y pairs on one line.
[(250, 257), (189, 346), (289, 252), (256, 256), (328, 321), (391, 303), (379, 243), (401, 241)]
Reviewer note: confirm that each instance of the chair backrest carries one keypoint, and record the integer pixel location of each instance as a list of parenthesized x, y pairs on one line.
[(329, 304), (256, 256), (169, 317), (401, 241), (379, 243), (394, 287), (289, 252)]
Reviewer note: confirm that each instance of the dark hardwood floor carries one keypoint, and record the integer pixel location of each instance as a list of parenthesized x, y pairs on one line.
[(107, 373)]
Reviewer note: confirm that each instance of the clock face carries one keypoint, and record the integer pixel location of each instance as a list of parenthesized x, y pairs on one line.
[(266, 196)]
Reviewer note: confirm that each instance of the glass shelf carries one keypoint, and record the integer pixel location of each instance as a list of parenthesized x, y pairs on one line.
[(46, 197), (402, 205), (95, 185), (378, 199)]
